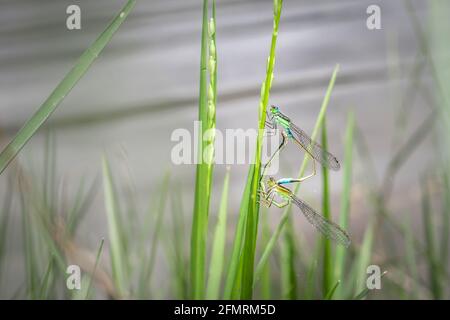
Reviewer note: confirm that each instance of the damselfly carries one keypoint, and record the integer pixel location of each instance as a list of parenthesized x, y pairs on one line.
[(276, 118), (325, 226)]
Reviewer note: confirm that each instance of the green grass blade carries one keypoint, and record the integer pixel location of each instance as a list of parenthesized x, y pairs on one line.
[(31, 265), (411, 251), (158, 224), (150, 257), (445, 222), (310, 283), (203, 181), (92, 275), (439, 27), (115, 236), (252, 204), (218, 248), (5, 215), (364, 292), (249, 254), (266, 285), (327, 262), (284, 218), (236, 252), (179, 261), (433, 268), (287, 264), (43, 291), (312, 274), (83, 200), (340, 253), (364, 256), (63, 88), (330, 293), (49, 170)]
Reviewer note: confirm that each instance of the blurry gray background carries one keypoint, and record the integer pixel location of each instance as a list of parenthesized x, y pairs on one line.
[(145, 84)]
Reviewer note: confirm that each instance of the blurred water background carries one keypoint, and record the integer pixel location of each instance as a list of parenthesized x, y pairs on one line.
[(145, 85)]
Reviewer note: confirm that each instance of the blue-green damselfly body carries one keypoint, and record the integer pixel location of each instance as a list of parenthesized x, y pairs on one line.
[(275, 119), (274, 188)]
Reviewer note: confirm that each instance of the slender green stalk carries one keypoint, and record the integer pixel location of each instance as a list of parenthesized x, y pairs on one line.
[(31, 264), (5, 215), (178, 245), (439, 28), (312, 274), (49, 170), (340, 253), (364, 292), (92, 275), (268, 249), (46, 280), (445, 222), (433, 267), (287, 263), (218, 248), (363, 260), (232, 281), (410, 251), (203, 182), (157, 227), (83, 200), (243, 252), (330, 293), (266, 286), (212, 68), (156, 224), (327, 273), (63, 88), (252, 211), (115, 237)]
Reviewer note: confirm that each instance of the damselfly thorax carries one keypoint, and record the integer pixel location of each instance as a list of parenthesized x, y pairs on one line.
[(292, 132)]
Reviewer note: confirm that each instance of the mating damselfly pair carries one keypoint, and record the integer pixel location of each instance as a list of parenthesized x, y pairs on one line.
[(272, 188)]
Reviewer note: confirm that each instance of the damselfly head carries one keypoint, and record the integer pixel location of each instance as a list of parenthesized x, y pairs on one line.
[(274, 109), (271, 182)]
